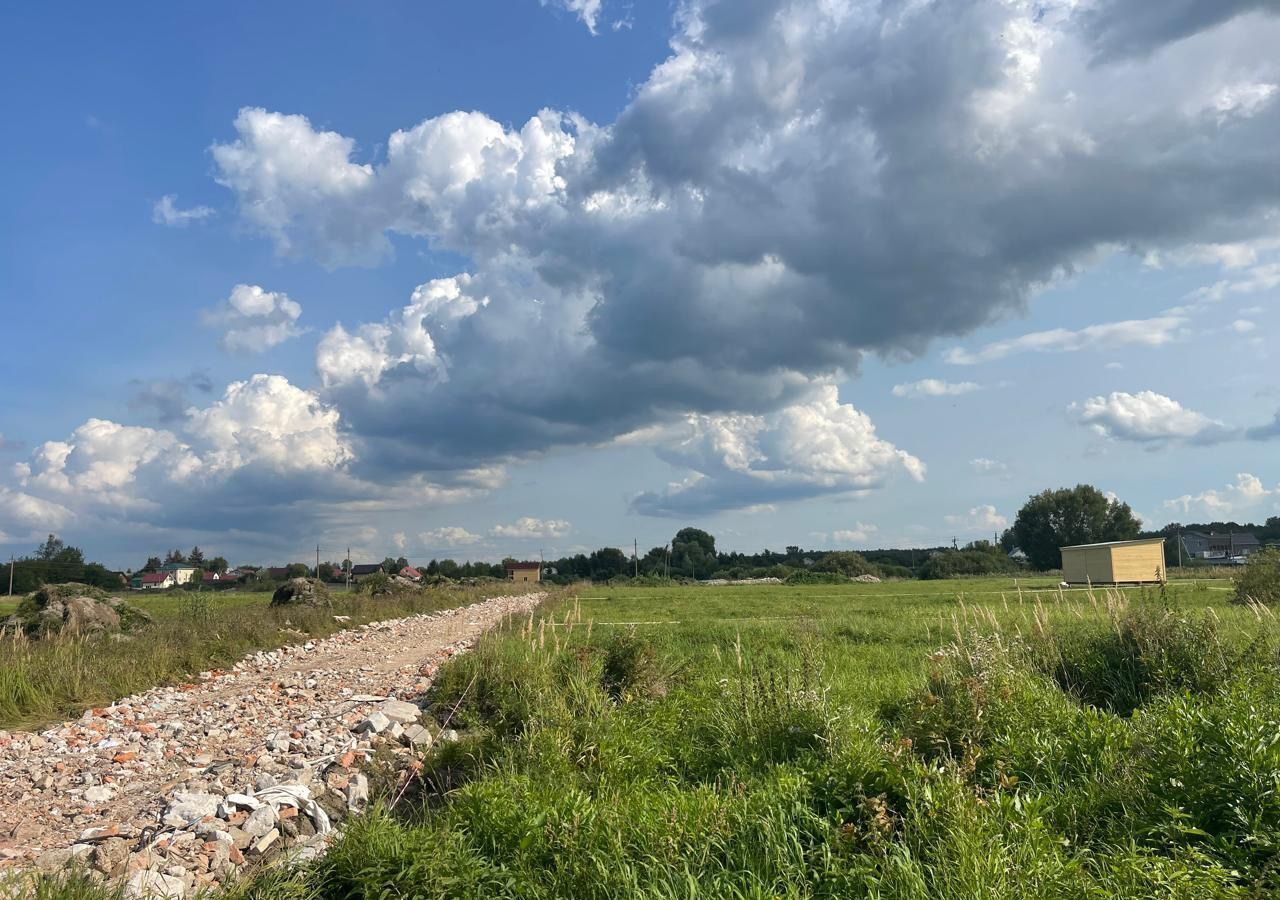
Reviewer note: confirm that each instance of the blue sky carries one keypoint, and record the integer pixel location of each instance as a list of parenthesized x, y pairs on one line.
[(482, 279)]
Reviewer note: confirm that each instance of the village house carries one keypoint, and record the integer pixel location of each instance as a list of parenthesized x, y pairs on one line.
[(152, 581), (523, 571), (411, 573), (1219, 546), (364, 571)]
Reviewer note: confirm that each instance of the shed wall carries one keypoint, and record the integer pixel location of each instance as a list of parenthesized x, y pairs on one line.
[(1087, 564), (1138, 563)]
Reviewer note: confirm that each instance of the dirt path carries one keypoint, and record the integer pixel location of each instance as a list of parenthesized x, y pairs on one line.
[(279, 717)]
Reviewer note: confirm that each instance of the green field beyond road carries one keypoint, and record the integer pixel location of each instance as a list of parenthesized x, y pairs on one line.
[(958, 739)]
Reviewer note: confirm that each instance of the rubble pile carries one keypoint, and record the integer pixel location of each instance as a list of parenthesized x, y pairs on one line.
[(181, 787)]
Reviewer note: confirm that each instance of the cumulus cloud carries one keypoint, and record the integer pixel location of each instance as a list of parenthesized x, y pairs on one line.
[(449, 536), (1106, 336), (982, 519), (819, 446), (166, 212), (1148, 417), (771, 199), (1248, 493), (25, 518), (253, 320), (984, 466), (528, 528), (933, 387)]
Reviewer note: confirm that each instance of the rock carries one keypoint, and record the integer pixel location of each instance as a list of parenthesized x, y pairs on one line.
[(149, 885), (188, 808), (110, 856), (400, 711), (260, 821), (102, 793), (239, 839), (375, 724), (301, 591), (448, 736), (358, 792), (262, 844), (867, 579), (54, 860), (417, 737)]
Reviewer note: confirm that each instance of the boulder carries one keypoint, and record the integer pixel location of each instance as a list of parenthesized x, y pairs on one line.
[(302, 591), (74, 609)]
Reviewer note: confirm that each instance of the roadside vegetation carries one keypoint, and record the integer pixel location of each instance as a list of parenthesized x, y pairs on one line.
[(55, 677), (889, 740)]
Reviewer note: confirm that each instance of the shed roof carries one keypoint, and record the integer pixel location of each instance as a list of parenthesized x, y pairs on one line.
[(523, 565), (1158, 540)]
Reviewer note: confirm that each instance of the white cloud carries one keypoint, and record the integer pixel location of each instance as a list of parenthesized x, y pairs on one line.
[(1243, 326), (1248, 493), (982, 519), (1147, 417), (587, 11), (449, 536), (528, 528), (400, 539), (933, 387), (403, 340), (984, 466), (858, 534), (820, 446), (1154, 332), (267, 421), (27, 517), (254, 320), (166, 212)]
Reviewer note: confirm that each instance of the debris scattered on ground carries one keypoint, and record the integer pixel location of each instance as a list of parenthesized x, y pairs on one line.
[(179, 788)]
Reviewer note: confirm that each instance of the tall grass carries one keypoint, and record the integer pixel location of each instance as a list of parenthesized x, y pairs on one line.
[(52, 678), (822, 742)]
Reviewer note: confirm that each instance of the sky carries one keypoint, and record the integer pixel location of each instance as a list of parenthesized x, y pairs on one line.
[(509, 277)]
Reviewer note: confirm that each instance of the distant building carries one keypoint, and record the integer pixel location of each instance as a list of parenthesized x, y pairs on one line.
[(277, 573), (523, 571), (1116, 562), (1199, 545), (363, 571), (181, 572), (152, 581), (411, 573)]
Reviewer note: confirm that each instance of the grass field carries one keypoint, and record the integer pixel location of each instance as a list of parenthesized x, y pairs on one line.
[(946, 739), (52, 679)]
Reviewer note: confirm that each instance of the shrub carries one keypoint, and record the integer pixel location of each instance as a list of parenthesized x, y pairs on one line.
[(631, 667), (846, 563), (953, 563), (1259, 581), (377, 583)]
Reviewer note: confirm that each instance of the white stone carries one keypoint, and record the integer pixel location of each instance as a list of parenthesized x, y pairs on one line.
[(400, 711), (149, 885)]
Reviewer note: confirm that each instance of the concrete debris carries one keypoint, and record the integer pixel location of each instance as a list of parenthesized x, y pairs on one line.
[(177, 789)]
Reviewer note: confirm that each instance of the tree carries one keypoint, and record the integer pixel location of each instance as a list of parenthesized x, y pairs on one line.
[(608, 562), (174, 556), (326, 571), (846, 562), (296, 570), (217, 564), (693, 553), (1080, 515), (153, 564), (401, 562), (196, 557), (389, 565), (51, 549)]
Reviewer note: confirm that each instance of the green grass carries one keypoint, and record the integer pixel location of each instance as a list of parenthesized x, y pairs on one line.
[(901, 740), (52, 679)]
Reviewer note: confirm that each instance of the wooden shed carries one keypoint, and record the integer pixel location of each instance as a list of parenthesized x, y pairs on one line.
[(1117, 562)]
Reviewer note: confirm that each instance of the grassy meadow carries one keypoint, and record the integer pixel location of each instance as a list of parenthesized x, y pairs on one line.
[(56, 678), (974, 739)]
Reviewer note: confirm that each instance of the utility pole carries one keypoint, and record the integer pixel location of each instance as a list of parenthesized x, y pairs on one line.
[(11, 575), (1179, 548), (347, 567), (635, 554), (317, 562)]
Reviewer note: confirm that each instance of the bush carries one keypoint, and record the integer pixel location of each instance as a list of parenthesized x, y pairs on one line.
[(1259, 581), (631, 667), (953, 563), (846, 563)]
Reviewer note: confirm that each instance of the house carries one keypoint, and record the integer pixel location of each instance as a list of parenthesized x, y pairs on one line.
[(523, 571), (181, 572), (1219, 546), (277, 573), (411, 573), (1115, 562), (364, 571), (218, 577), (152, 581)]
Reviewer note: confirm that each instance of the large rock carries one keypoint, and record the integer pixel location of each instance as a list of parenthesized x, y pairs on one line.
[(75, 609), (302, 591)]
